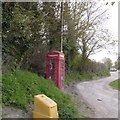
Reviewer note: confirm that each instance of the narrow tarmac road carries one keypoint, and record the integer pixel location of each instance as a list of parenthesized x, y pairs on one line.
[(100, 96)]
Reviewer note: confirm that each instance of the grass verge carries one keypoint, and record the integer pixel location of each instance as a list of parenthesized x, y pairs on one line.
[(115, 84), (77, 76), (19, 88)]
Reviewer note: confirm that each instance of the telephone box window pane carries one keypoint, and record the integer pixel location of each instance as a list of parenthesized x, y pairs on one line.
[(52, 70)]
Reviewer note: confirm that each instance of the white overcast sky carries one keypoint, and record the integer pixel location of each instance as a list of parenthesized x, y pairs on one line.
[(112, 25)]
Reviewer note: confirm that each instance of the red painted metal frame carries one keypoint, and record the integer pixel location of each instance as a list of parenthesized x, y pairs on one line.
[(57, 56)]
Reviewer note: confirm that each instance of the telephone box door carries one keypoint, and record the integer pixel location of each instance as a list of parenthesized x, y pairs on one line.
[(52, 70)]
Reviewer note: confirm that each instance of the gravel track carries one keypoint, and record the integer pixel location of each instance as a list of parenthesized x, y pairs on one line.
[(100, 96)]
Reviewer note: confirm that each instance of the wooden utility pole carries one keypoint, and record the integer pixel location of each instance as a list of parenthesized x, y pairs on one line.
[(61, 26)]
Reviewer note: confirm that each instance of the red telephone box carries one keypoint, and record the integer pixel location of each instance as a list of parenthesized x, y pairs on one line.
[(55, 68)]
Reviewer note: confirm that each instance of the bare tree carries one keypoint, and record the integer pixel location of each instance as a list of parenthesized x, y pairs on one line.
[(91, 37)]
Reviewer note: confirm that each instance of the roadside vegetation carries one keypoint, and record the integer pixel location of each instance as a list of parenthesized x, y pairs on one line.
[(19, 88), (77, 76), (115, 84)]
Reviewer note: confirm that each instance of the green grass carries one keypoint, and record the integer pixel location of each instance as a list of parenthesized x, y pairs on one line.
[(19, 88), (115, 84), (77, 76)]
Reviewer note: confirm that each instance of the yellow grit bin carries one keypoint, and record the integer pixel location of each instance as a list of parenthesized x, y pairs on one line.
[(44, 107)]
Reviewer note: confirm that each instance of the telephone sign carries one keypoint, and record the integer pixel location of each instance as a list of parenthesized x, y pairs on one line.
[(55, 68)]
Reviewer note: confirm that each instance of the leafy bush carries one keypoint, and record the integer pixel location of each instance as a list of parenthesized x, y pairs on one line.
[(20, 87), (73, 76), (103, 73)]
